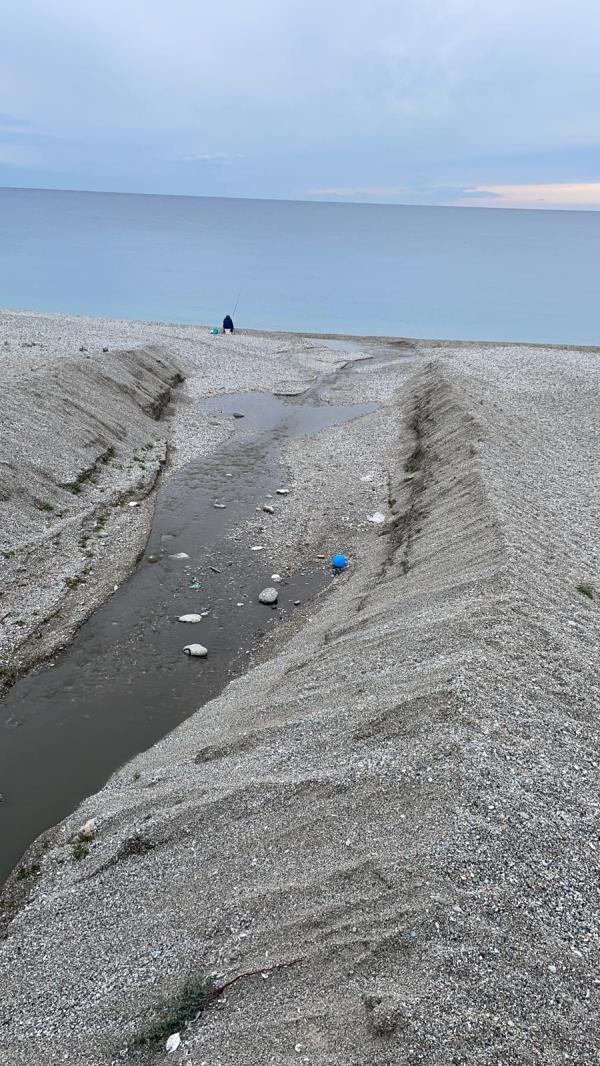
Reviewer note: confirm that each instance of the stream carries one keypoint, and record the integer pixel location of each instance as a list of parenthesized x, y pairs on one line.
[(124, 681)]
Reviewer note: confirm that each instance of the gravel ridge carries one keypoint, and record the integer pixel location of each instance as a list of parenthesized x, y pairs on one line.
[(402, 801)]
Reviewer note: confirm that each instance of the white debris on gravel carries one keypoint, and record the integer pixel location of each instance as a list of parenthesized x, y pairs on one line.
[(173, 1042)]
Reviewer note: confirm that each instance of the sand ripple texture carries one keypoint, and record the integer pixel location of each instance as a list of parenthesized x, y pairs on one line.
[(404, 798)]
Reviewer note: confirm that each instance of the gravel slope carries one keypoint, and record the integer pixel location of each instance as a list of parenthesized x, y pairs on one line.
[(80, 442), (402, 801)]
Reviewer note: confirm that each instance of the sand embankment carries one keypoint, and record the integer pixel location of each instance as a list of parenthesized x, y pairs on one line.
[(403, 798), (82, 446)]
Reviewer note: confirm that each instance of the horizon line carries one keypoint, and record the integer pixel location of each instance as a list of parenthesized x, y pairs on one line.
[(340, 202)]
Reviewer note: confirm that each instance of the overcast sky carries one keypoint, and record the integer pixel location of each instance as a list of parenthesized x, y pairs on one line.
[(403, 101)]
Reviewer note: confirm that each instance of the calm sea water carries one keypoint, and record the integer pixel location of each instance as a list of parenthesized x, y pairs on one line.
[(356, 268)]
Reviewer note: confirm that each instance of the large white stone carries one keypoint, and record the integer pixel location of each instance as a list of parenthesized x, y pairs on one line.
[(196, 649), (269, 595)]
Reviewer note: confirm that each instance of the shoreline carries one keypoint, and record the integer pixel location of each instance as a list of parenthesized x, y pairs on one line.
[(399, 793), (368, 338)]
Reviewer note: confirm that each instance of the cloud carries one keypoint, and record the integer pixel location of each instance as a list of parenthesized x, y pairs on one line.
[(12, 122), (218, 159), (381, 99), (565, 195), (402, 194), (548, 195)]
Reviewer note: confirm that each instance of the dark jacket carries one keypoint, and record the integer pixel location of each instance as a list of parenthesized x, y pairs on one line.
[(228, 323)]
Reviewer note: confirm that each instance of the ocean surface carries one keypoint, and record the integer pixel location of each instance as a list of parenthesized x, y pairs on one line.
[(443, 272)]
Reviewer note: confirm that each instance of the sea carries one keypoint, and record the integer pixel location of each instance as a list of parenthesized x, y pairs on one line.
[(368, 269)]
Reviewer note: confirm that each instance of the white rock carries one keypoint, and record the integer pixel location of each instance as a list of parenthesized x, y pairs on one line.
[(267, 507), (269, 595), (367, 477), (190, 618), (133, 503), (275, 577), (179, 555), (196, 649), (257, 548), (377, 518), (173, 1042), (87, 831), (283, 492), (220, 506)]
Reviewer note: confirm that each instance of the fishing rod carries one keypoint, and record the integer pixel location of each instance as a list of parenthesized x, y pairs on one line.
[(236, 303)]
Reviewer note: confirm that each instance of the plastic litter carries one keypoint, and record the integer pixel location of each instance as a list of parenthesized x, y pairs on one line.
[(377, 518), (339, 561), (214, 332), (175, 1039), (194, 585), (179, 555), (86, 832)]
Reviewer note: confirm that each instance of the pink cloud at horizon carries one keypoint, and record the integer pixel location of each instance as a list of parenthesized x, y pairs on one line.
[(566, 195)]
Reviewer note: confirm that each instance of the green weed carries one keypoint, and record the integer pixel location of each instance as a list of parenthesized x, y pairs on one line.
[(174, 1013)]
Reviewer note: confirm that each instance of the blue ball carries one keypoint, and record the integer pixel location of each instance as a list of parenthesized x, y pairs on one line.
[(338, 561)]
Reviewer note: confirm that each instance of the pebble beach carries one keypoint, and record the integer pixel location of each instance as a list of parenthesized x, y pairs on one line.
[(380, 842)]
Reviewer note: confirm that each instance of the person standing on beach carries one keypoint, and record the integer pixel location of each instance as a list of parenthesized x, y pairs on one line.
[(228, 324)]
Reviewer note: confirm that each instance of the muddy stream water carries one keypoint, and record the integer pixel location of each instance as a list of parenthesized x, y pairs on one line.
[(124, 681)]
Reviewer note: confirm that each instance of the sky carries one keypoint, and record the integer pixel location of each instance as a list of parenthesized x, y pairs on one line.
[(460, 102)]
